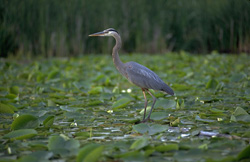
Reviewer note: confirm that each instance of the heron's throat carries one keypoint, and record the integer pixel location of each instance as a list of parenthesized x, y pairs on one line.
[(118, 63)]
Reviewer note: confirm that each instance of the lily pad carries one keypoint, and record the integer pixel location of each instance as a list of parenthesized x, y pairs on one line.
[(95, 90), (63, 146), (123, 102), (244, 154), (203, 120), (238, 77), (212, 83), (158, 115), (151, 129), (21, 134), (240, 115), (48, 122), (25, 121), (91, 152), (14, 90), (165, 103), (165, 148), (240, 111), (38, 156), (139, 143), (6, 109)]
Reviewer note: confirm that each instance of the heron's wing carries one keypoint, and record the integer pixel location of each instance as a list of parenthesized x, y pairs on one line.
[(145, 78), (142, 76)]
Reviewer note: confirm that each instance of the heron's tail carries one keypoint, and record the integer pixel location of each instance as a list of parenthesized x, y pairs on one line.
[(167, 89)]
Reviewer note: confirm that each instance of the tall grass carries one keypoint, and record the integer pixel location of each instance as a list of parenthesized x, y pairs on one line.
[(61, 27)]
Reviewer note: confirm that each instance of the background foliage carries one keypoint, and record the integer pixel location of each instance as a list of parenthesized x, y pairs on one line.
[(61, 27)]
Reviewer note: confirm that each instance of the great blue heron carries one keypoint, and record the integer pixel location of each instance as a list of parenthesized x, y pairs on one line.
[(136, 73)]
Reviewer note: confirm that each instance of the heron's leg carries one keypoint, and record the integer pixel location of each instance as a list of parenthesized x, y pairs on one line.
[(145, 104), (154, 100)]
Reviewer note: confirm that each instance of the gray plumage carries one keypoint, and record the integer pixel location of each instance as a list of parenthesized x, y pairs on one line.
[(136, 73), (145, 78)]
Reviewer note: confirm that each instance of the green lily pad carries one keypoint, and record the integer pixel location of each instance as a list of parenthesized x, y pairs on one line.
[(240, 111), (90, 152), (139, 143), (123, 102), (151, 129), (63, 146), (212, 83), (203, 120), (21, 134), (14, 90), (240, 115), (24, 122), (158, 115), (6, 109), (52, 74), (165, 148), (237, 77), (95, 90), (37, 156), (181, 87), (216, 111), (244, 154), (48, 122), (165, 103)]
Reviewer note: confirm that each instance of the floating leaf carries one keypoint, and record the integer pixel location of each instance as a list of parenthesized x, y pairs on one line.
[(52, 74), (165, 148), (216, 111), (151, 129), (51, 103), (219, 87), (141, 128), (82, 135), (12, 96), (6, 109), (180, 104), (240, 115), (237, 77), (203, 146), (175, 122), (203, 120), (90, 153), (63, 146), (48, 122), (95, 90), (14, 90), (21, 134), (240, 111), (208, 99), (139, 143), (212, 83), (181, 87), (241, 118), (244, 154), (25, 121), (37, 156), (121, 103), (158, 115), (165, 103)]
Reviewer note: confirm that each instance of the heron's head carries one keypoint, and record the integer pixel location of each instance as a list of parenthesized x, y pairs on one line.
[(107, 32)]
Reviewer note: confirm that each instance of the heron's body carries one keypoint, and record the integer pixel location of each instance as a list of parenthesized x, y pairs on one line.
[(136, 73), (144, 77)]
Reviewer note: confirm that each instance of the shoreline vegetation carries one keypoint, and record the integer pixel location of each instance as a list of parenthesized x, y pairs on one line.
[(61, 28)]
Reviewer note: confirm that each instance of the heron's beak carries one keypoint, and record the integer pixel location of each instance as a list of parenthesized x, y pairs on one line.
[(97, 34)]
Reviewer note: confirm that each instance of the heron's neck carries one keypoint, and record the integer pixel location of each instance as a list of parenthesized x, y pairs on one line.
[(118, 63)]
